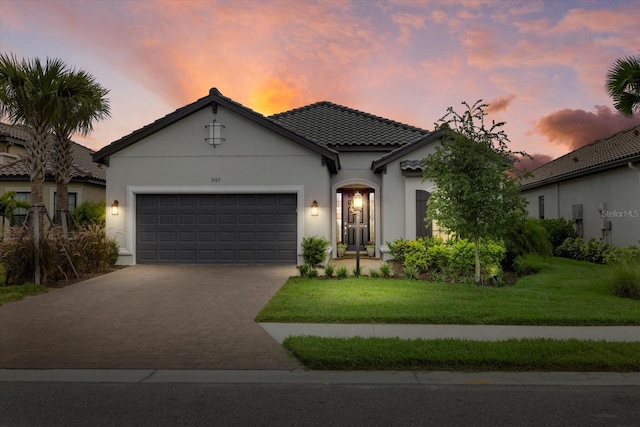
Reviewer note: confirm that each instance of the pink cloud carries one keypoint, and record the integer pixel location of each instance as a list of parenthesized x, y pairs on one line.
[(575, 128), (408, 23), (499, 104), (599, 20), (530, 163)]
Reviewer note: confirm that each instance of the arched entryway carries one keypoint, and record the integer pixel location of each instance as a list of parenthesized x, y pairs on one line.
[(345, 221)]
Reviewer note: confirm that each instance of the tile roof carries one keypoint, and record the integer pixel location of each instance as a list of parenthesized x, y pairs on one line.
[(83, 165), (333, 125), (214, 99), (600, 154), (411, 166)]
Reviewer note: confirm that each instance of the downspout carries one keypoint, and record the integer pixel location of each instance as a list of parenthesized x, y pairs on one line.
[(630, 164), (558, 200)]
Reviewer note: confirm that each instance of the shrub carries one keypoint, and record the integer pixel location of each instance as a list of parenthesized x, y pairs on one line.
[(304, 270), (559, 230), (314, 249), (626, 279), (87, 251), (385, 270), (438, 258), (411, 272), (374, 273), (312, 273), (523, 267), (90, 212), (330, 270), (342, 272), (524, 237), (397, 249), (571, 248), (415, 255), (615, 255), (462, 262), (594, 251)]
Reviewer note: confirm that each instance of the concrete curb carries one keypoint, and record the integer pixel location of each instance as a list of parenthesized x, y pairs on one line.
[(143, 376)]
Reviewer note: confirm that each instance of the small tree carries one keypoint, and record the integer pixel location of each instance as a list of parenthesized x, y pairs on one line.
[(477, 194)]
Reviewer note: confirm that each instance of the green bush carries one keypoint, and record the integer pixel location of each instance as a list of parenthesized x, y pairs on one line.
[(304, 269), (342, 272), (558, 230), (626, 279), (397, 249), (330, 270), (314, 250), (411, 272), (415, 255), (526, 236), (374, 273), (462, 262), (438, 258), (523, 267), (90, 212), (571, 248), (385, 270), (594, 251), (615, 255)]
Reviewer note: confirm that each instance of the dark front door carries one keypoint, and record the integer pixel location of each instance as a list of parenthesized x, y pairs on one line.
[(350, 225)]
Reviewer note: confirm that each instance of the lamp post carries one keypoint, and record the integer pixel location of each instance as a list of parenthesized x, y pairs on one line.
[(357, 208)]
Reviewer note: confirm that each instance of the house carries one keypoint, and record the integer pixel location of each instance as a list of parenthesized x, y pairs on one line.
[(215, 182), (597, 186), (88, 178)]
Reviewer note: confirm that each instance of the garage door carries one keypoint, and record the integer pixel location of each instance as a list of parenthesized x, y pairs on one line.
[(216, 228)]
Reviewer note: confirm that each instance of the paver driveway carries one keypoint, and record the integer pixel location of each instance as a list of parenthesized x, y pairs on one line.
[(152, 317)]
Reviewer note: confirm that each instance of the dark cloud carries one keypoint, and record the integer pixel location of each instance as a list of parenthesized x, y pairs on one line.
[(499, 104), (575, 128), (530, 163)]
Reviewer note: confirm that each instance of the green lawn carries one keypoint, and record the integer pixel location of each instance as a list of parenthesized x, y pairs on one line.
[(460, 355), (564, 292), (15, 293)]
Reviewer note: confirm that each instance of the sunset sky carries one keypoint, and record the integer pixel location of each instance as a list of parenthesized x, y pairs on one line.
[(541, 65)]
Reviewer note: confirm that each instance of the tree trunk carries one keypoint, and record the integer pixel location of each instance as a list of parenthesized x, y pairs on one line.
[(476, 277), (63, 164)]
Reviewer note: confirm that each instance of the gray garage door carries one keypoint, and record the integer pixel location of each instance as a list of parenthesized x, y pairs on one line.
[(216, 228)]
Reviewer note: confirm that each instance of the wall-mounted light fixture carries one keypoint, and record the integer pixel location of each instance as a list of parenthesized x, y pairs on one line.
[(314, 208), (115, 208), (215, 133)]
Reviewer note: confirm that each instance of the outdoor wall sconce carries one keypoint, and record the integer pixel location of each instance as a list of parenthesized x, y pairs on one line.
[(115, 208), (357, 201), (314, 208), (215, 133)]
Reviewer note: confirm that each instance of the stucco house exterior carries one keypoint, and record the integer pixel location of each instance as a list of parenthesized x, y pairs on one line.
[(215, 182), (597, 186), (88, 180)]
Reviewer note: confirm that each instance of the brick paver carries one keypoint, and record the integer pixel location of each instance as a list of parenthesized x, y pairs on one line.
[(149, 317)]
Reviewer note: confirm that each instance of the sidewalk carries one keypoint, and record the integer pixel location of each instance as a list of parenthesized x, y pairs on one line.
[(279, 331)]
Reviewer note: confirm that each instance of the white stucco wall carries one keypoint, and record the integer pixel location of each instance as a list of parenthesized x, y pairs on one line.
[(398, 208), (618, 188), (251, 159)]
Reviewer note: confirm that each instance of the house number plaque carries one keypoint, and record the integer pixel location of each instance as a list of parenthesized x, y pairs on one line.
[(216, 179)]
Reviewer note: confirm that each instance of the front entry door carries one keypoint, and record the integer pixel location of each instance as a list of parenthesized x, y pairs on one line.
[(349, 230)]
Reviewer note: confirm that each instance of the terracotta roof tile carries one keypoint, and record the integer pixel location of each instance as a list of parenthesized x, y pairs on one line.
[(598, 154), (83, 165), (334, 125)]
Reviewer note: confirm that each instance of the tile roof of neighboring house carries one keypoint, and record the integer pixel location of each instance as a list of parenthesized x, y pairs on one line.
[(83, 165), (214, 99), (333, 125), (411, 166), (601, 154)]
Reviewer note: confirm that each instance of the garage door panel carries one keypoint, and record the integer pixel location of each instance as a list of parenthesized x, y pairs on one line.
[(244, 228)]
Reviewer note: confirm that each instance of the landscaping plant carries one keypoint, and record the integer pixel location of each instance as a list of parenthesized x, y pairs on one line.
[(314, 250)]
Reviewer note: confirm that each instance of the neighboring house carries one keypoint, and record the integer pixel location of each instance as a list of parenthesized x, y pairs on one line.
[(215, 182), (88, 181), (597, 186)]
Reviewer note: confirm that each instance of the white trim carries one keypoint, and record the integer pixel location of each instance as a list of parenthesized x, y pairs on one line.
[(132, 191), (378, 208)]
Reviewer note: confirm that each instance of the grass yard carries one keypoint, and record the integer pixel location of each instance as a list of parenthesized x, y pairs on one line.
[(564, 292), (16, 293), (459, 355)]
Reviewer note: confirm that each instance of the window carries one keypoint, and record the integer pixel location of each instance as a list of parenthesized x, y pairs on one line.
[(541, 207), (73, 202), (21, 214)]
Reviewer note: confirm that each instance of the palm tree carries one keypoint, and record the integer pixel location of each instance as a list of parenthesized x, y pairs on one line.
[(623, 84), (82, 101), (29, 92)]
